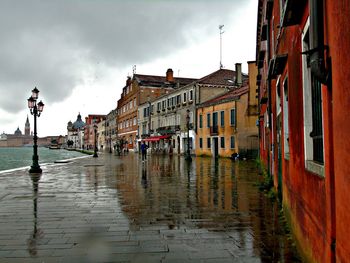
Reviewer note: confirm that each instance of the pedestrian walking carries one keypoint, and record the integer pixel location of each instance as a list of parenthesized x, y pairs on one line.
[(144, 148)]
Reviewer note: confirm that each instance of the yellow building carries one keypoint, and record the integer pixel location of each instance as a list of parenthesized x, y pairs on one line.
[(227, 124)]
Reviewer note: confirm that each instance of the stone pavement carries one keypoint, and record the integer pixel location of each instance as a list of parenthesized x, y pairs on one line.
[(118, 209)]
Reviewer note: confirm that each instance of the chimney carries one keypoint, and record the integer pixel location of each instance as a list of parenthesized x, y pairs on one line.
[(169, 75), (238, 74)]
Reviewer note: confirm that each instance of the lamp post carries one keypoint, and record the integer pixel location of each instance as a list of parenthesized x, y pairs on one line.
[(149, 115), (188, 155), (95, 148), (35, 109)]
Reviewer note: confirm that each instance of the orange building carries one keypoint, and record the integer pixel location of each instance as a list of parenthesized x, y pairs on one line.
[(226, 124)]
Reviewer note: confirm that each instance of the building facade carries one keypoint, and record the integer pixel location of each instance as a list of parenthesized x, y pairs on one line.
[(89, 130), (138, 90), (226, 124), (101, 136), (111, 130), (302, 55), (75, 133), (171, 117)]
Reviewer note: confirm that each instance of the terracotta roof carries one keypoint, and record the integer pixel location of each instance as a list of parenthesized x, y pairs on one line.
[(158, 81), (222, 77), (229, 96)]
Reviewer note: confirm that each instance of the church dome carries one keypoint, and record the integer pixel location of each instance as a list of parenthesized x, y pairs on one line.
[(78, 124), (18, 131)]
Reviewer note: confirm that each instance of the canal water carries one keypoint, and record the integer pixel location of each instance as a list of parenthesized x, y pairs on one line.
[(16, 157)]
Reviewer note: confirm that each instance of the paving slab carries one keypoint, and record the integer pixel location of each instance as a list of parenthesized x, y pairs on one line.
[(118, 209)]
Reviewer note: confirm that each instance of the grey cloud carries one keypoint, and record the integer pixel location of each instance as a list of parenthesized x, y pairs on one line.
[(50, 43)]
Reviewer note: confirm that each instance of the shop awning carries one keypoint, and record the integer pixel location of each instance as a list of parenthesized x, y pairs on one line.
[(156, 138)]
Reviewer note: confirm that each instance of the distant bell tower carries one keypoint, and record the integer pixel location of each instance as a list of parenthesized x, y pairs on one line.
[(27, 127)]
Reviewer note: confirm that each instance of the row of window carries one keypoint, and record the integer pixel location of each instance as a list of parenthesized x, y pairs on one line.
[(127, 90), (110, 132), (128, 106), (215, 119), (222, 142), (175, 100), (127, 123), (167, 121), (312, 108)]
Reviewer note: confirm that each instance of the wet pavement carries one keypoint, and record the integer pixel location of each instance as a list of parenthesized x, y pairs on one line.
[(119, 209)]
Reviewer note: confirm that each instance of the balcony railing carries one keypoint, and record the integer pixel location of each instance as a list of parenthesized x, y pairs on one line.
[(168, 129)]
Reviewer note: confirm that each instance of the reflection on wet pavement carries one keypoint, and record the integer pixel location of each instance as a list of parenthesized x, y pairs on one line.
[(120, 209)]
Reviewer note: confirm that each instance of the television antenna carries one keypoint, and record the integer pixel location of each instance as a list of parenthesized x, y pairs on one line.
[(221, 32)]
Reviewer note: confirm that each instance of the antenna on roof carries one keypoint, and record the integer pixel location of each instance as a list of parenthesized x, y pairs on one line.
[(221, 32), (134, 69)]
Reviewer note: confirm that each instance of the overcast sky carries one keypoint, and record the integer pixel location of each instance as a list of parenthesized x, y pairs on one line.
[(78, 53)]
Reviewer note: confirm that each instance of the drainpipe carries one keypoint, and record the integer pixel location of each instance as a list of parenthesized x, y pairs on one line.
[(317, 47), (236, 126), (269, 98), (195, 108)]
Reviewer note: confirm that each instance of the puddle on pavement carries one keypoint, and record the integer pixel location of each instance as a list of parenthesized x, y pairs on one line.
[(215, 196), (198, 206)]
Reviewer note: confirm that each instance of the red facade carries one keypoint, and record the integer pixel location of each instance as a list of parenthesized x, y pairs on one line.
[(89, 130), (303, 59)]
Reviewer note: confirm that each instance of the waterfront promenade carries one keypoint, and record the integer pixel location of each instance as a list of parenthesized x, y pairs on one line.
[(118, 209)]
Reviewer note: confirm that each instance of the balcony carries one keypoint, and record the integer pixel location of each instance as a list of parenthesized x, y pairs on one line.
[(168, 129), (214, 130), (261, 54), (292, 12), (277, 65)]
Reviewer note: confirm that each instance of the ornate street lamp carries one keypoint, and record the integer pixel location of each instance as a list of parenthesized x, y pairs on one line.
[(35, 109), (95, 150), (188, 155)]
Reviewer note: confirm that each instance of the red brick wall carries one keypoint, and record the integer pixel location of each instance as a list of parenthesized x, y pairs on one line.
[(337, 32)]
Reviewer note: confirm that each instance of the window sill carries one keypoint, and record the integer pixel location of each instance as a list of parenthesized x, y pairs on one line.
[(315, 168)]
